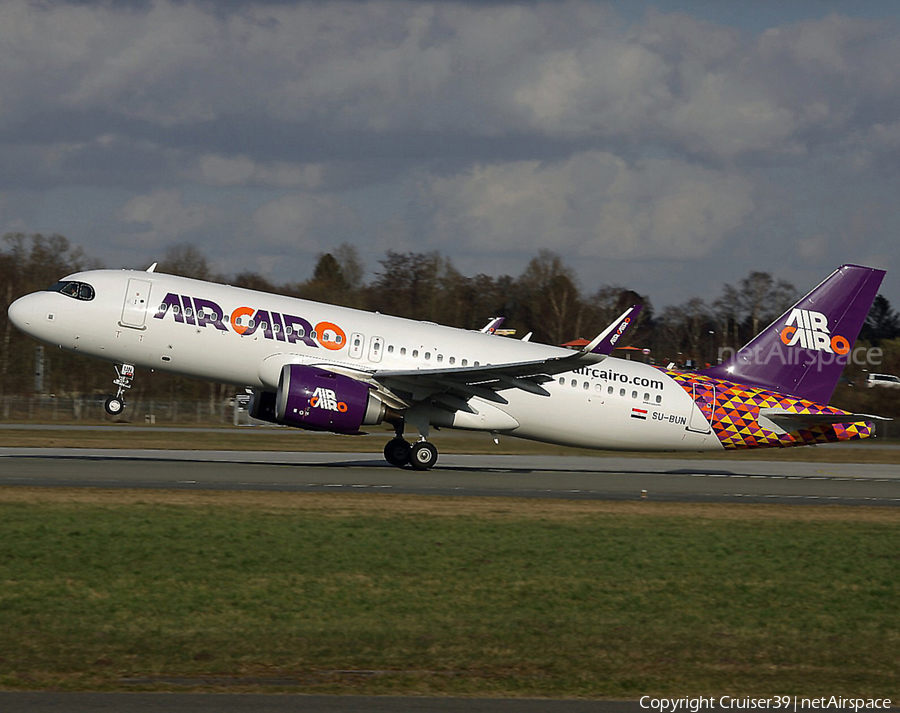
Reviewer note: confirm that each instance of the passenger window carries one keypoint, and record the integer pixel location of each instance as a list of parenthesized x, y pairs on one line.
[(452, 360), (574, 383), (621, 392), (415, 353), (428, 355), (402, 351), (440, 357), (646, 397), (465, 362), (390, 348), (634, 394), (658, 399), (610, 390), (586, 386), (562, 381)]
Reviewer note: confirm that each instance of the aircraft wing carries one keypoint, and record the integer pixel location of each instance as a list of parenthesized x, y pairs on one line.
[(780, 421), (452, 387), (455, 386)]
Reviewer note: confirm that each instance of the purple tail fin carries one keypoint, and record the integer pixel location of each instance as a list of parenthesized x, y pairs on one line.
[(803, 352), (608, 339)]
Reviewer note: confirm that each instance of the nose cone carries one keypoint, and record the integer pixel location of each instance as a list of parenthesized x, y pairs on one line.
[(21, 313)]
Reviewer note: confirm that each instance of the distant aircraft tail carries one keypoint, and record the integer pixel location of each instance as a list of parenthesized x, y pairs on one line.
[(609, 338), (804, 351)]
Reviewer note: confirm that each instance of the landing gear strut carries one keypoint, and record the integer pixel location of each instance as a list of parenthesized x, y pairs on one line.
[(124, 376)]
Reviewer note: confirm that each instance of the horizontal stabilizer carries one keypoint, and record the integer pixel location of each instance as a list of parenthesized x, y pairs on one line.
[(780, 421)]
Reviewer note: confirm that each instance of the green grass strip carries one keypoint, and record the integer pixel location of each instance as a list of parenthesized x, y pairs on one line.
[(609, 604)]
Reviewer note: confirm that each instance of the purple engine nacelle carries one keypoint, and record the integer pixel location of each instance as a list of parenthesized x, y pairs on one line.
[(320, 400)]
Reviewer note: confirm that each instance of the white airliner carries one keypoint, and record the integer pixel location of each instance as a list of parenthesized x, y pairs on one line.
[(321, 367)]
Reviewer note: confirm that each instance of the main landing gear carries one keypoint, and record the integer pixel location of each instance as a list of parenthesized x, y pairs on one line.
[(399, 452), (116, 404)]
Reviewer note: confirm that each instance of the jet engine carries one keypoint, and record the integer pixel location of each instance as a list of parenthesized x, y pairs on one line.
[(319, 400)]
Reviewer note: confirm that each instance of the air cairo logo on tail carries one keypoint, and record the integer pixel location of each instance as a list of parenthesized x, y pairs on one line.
[(809, 329), (620, 331)]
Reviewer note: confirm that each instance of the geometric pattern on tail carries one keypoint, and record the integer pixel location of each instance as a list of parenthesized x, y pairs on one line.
[(736, 411)]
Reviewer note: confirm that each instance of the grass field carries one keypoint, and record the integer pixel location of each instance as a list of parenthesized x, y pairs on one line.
[(107, 590)]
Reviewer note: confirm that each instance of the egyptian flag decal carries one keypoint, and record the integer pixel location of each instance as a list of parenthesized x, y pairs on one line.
[(639, 413)]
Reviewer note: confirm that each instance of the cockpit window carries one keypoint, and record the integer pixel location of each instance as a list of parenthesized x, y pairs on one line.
[(78, 290)]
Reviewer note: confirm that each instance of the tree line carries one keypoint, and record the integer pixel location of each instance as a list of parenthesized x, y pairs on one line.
[(546, 299)]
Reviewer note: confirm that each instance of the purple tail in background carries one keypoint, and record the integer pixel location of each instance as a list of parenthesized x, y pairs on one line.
[(804, 351)]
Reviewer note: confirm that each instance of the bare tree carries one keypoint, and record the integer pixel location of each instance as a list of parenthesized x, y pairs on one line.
[(187, 261), (762, 299), (549, 295)]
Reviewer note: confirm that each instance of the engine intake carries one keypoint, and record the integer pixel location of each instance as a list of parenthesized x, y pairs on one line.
[(321, 400)]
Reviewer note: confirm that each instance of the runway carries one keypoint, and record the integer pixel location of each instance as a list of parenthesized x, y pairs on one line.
[(570, 477)]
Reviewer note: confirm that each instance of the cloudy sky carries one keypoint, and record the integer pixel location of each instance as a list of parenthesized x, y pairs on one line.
[(665, 146)]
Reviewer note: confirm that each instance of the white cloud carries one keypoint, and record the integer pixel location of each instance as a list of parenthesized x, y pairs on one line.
[(218, 170), (303, 221), (563, 70), (163, 217), (593, 204)]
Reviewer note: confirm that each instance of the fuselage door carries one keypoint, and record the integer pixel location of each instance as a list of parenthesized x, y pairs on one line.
[(704, 405), (376, 348), (137, 299), (357, 345)]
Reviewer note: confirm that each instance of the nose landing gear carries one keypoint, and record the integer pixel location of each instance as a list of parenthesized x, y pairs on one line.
[(114, 405)]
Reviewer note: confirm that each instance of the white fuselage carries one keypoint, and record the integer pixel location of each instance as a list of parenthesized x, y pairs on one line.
[(616, 404)]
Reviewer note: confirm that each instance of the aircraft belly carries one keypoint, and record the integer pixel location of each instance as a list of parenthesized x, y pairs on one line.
[(574, 418)]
